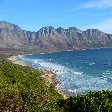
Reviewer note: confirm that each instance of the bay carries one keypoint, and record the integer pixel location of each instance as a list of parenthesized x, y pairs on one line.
[(77, 71)]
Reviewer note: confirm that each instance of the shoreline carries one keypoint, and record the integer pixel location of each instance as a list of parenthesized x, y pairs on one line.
[(15, 61), (49, 77), (51, 81)]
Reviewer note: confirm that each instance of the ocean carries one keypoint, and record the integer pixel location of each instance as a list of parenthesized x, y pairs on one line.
[(78, 72)]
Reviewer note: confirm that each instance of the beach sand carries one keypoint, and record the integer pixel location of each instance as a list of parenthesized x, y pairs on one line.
[(15, 61), (47, 75)]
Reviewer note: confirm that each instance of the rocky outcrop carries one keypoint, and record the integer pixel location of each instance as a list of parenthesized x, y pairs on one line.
[(51, 39)]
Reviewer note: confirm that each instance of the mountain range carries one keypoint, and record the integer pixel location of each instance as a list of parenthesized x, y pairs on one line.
[(49, 39)]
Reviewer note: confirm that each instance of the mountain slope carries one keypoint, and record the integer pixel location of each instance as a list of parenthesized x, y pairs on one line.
[(51, 39)]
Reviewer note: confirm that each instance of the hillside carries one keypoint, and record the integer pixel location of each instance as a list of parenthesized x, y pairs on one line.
[(12, 37)]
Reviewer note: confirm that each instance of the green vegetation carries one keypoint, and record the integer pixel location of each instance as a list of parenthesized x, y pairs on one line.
[(100, 101), (22, 89)]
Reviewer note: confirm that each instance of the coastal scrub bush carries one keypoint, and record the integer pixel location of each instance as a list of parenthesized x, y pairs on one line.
[(22, 89), (100, 101)]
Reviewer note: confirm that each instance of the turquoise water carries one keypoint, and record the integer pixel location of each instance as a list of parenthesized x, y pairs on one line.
[(77, 71)]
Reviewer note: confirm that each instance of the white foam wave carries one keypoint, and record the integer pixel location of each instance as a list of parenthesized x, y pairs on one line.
[(90, 64), (57, 68), (50, 59), (65, 75), (30, 54), (72, 90), (42, 53), (20, 56), (85, 62), (73, 80)]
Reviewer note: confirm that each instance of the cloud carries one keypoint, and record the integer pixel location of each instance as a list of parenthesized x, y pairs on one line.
[(93, 5), (105, 26), (98, 4)]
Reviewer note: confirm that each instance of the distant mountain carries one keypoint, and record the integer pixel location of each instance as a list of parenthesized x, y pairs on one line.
[(51, 39)]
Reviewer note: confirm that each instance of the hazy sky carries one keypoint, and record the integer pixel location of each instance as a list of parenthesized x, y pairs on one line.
[(34, 14)]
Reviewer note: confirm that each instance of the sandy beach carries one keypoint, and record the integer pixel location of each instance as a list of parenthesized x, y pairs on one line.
[(47, 75), (15, 61)]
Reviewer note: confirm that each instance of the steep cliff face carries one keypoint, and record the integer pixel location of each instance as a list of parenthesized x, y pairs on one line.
[(11, 35), (51, 39)]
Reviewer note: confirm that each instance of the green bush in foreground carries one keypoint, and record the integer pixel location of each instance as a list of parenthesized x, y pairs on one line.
[(92, 102), (22, 89)]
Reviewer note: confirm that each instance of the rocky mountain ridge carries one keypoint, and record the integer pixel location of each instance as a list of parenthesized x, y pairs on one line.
[(51, 39)]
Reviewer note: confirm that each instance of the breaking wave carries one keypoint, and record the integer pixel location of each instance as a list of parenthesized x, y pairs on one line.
[(73, 81), (76, 73)]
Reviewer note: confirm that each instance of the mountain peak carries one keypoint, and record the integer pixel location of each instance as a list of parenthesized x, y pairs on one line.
[(47, 31), (72, 28), (7, 25)]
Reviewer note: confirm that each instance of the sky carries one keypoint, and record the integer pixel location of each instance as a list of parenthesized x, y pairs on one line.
[(34, 14)]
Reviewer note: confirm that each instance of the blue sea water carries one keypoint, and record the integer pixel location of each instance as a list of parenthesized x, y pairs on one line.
[(77, 71)]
